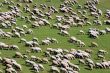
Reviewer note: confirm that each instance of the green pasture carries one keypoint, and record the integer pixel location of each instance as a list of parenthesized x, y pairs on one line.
[(45, 31)]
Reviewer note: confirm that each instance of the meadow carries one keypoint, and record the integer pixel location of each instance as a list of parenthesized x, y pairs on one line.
[(46, 31)]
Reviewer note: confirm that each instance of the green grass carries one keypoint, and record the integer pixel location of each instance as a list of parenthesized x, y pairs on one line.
[(46, 31)]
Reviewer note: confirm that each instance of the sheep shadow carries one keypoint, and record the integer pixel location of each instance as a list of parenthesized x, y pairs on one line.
[(87, 68)]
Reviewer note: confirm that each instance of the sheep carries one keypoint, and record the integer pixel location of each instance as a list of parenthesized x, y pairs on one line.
[(94, 44), (81, 61), (63, 70), (107, 29), (33, 58), (35, 24), (1, 59), (69, 56), (16, 34), (41, 66), (29, 31), (11, 70), (1, 71), (22, 40), (81, 32), (102, 52), (36, 49), (45, 60), (75, 67), (64, 33), (46, 42), (17, 66), (14, 47), (18, 55), (55, 69), (100, 56), (8, 66), (89, 61)]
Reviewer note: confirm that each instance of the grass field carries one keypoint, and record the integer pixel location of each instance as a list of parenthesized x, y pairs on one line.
[(46, 31)]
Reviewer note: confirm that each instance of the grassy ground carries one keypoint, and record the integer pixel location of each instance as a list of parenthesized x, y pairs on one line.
[(45, 31)]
